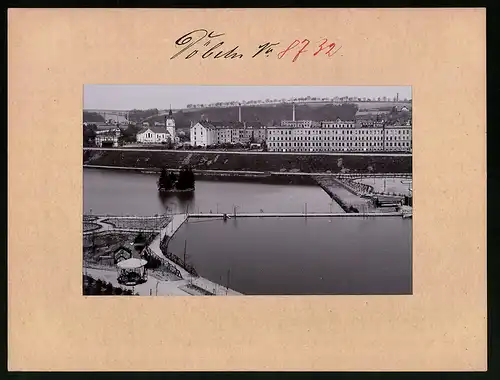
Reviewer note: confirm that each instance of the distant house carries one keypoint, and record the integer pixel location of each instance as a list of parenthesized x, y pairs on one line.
[(107, 136)]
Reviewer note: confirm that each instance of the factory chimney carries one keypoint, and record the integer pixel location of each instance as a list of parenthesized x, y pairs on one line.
[(293, 112), (239, 112)]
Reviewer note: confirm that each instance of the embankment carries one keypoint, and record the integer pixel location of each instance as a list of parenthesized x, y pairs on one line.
[(313, 163)]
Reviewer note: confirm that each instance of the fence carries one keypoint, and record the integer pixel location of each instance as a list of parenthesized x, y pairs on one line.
[(171, 268)]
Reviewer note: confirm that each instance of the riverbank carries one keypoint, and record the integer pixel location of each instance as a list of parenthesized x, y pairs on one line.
[(228, 176), (250, 161)]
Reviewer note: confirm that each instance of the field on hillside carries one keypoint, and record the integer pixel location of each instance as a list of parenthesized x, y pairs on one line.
[(265, 113)]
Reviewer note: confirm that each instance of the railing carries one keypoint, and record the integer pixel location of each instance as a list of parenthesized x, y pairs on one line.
[(171, 268)]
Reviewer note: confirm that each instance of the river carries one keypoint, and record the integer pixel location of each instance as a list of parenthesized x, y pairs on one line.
[(275, 256), (123, 192)]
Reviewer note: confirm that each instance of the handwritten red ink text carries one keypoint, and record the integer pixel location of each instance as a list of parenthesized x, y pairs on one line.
[(328, 48)]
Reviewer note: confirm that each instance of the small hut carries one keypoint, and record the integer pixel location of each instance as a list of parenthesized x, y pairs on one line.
[(132, 272)]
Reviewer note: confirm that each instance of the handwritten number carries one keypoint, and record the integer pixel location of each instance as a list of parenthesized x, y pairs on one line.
[(282, 53), (330, 46), (301, 50), (293, 45)]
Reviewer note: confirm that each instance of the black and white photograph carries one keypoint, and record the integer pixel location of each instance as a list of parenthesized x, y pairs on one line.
[(247, 190)]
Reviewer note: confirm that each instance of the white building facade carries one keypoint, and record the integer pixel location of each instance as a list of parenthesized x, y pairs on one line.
[(398, 138), (153, 135), (201, 134), (206, 133), (338, 136)]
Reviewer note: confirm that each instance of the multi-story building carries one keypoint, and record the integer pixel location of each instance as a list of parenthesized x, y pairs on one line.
[(338, 136), (205, 133), (398, 138), (308, 135)]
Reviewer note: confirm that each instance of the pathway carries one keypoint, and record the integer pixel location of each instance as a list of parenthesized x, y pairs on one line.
[(295, 215), (174, 225)]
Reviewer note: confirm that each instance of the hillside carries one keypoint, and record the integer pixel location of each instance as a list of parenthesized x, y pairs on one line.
[(266, 114)]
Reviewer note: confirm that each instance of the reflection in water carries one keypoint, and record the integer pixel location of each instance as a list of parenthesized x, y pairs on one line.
[(177, 202)]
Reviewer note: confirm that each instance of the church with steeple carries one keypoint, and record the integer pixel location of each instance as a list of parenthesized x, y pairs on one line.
[(159, 133), (170, 125)]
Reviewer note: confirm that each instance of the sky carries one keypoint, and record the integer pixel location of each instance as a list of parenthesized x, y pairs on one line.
[(127, 97)]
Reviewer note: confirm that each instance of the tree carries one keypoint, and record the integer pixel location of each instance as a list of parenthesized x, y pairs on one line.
[(89, 133), (108, 290)]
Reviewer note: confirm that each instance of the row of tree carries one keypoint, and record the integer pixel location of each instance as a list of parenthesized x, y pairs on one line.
[(300, 99)]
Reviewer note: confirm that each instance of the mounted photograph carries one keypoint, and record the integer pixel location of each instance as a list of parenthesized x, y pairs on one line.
[(247, 190)]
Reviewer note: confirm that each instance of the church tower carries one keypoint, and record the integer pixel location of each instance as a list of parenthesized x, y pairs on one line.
[(170, 125)]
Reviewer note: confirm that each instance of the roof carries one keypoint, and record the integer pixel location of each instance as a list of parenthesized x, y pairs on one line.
[(103, 128), (254, 124), (221, 124), (388, 126), (155, 129), (131, 264), (123, 248)]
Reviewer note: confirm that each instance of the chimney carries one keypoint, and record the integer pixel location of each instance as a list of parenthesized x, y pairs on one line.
[(239, 112), (293, 113)]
